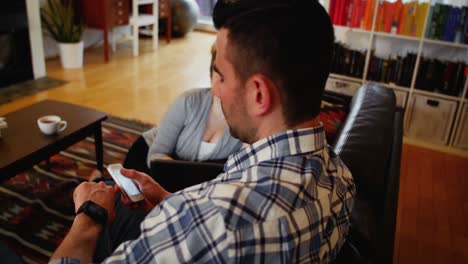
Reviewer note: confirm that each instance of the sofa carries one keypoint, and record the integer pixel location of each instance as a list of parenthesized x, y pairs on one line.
[(369, 142)]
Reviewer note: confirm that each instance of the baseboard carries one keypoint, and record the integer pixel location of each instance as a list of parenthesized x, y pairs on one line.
[(440, 148), (205, 25)]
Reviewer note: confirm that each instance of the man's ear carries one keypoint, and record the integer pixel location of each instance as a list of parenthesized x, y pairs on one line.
[(260, 95)]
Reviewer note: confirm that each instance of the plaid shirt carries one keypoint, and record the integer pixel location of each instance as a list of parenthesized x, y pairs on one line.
[(286, 198)]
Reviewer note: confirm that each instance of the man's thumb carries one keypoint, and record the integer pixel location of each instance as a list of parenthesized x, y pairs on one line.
[(129, 173)]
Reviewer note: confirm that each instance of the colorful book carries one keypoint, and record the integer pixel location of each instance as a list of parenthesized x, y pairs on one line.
[(403, 22), (421, 14), (369, 13), (331, 11), (347, 13), (339, 12), (465, 26), (429, 34), (411, 18), (397, 13), (380, 17), (362, 11), (389, 9), (441, 20), (357, 13), (450, 24), (458, 80)]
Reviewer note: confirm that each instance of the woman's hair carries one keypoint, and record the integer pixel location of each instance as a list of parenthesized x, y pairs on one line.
[(213, 57)]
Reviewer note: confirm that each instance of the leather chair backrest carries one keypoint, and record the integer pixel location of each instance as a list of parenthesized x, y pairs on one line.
[(392, 187), (365, 145), (365, 141)]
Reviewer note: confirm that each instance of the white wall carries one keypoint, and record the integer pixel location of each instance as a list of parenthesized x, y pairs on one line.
[(35, 37), (90, 37)]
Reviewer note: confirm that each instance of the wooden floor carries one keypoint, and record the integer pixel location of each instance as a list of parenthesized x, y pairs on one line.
[(433, 207), (132, 87)]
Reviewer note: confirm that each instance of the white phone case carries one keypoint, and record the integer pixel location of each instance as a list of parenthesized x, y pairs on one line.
[(126, 185)]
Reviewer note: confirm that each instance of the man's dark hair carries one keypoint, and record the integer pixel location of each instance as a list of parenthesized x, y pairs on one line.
[(289, 41)]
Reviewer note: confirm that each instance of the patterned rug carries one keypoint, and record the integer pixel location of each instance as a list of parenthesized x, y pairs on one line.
[(36, 207), (15, 91)]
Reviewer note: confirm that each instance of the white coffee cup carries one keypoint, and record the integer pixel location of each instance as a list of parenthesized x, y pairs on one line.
[(51, 124)]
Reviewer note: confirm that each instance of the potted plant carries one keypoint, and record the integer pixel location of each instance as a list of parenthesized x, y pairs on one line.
[(58, 20)]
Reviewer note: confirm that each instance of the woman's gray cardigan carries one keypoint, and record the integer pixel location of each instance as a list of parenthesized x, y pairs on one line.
[(182, 128)]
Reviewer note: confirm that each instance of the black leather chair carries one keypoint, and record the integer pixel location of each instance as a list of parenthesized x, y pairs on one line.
[(370, 145)]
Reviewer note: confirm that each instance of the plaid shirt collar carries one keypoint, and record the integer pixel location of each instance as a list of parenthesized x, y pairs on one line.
[(286, 143)]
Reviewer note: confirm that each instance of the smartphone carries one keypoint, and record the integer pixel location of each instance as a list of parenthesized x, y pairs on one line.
[(126, 185)]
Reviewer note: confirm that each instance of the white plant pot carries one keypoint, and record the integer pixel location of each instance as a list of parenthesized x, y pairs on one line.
[(71, 55)]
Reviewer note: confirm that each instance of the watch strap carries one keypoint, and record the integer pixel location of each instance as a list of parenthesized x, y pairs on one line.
[(94, 211)]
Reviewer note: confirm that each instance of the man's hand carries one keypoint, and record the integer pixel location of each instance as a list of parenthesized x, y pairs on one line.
[(151, 190), (99, 193), (80, 242)]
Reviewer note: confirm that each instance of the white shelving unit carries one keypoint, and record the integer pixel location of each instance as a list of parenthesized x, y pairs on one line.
[(445, 43), (420, 44)]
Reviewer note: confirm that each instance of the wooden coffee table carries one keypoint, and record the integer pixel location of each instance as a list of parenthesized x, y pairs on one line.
[(23, 145)]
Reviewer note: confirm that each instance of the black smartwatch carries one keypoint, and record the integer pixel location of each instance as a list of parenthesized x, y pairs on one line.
[(95, 211)]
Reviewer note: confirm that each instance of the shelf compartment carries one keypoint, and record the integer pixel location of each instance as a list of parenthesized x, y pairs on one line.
[(342, 86), (391, 69), (347, 61), (430, 118), (438, 95)]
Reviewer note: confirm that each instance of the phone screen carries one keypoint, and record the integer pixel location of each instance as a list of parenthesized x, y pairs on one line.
[(124, 182)]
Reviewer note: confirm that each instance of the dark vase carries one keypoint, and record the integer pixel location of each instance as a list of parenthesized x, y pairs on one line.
[(184, 17)]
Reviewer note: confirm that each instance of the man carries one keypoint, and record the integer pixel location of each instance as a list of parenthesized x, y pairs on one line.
[(284, 198)]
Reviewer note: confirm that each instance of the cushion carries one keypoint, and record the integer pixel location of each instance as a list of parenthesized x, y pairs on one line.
[(332, 117)]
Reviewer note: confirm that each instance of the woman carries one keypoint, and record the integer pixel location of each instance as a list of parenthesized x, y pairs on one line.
[(193, 128)]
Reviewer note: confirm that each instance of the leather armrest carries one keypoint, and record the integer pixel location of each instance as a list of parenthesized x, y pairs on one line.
[(175, 175)]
